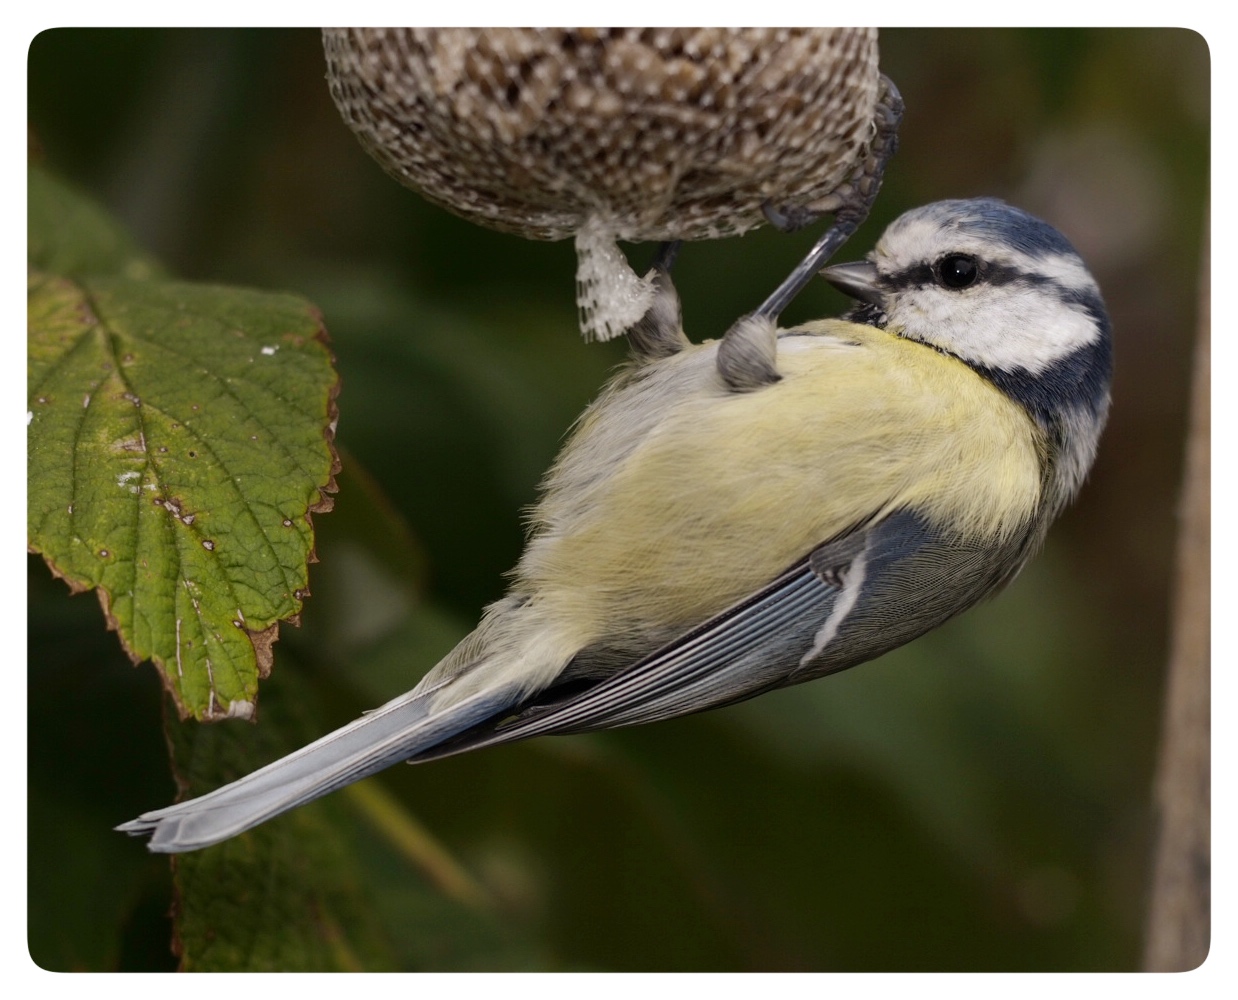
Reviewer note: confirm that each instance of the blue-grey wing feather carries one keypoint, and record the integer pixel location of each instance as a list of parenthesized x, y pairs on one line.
[(746, 649), (874, 588)]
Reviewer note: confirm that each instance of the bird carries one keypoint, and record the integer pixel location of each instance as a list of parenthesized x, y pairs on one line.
[(720, 525)]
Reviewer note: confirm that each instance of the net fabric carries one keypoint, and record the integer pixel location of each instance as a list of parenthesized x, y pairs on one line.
[(611, 134)]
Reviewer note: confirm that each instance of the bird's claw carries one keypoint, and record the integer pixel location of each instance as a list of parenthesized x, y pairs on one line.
[(853, 199)]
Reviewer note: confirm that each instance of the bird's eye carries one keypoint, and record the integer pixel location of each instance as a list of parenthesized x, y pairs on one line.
[(958, 270)]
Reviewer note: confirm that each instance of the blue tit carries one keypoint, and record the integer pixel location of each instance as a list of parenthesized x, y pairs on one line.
[(739, 515)]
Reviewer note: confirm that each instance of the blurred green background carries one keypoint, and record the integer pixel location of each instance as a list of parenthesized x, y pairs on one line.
[(980, 800)]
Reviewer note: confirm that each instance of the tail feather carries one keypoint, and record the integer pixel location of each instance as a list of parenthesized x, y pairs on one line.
[(396, 731)]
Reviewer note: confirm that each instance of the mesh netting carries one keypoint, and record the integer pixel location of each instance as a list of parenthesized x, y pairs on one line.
[(605, 134)]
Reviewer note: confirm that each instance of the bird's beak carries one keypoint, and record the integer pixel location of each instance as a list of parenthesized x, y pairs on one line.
[(857, 279)]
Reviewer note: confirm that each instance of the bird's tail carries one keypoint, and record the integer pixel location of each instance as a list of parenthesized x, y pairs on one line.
[(403, 727)]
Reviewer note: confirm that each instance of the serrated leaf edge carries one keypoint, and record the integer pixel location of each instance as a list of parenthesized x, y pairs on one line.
[(261, 640)]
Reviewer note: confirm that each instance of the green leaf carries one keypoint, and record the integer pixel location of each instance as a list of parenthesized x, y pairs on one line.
[(179, 437)]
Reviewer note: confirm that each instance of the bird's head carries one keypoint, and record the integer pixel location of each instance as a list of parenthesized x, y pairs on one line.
[(1006, 294)]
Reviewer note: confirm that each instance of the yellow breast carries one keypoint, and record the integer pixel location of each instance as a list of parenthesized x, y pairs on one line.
[(723, 491)]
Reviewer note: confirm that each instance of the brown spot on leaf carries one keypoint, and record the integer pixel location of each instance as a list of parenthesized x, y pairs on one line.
[(86, 314), (137, 444), (263, 640)]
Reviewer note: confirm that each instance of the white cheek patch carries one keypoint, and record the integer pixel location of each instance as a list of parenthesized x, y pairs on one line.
[(998, 326)]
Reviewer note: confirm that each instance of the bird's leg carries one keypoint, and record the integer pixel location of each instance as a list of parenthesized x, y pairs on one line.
[(659, 333), (853, 201), (747, 355), (664, 259)]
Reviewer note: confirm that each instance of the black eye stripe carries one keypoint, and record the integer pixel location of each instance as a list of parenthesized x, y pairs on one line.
[(996, 275), (916, 276)]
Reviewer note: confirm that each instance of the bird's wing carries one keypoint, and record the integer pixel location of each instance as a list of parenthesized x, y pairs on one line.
[(754, 645), (726, 658), (866, 591)]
